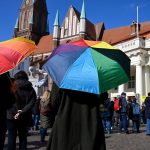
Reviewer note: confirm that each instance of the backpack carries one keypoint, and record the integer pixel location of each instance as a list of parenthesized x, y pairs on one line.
[(45, 108), (136, 109), (116, 104)]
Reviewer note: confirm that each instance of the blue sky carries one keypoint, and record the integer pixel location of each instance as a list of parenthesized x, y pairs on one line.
[(113, 13)]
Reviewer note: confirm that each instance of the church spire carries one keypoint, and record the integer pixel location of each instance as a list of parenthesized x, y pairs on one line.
[(56, 30), (16, 28), (17, 24), (83, 22), (56, 23), (83, 14)]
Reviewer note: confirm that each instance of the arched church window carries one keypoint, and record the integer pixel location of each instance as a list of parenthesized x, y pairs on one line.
[(25, 23), (78, 28), (74, 25), (66, 23), (62, 32), (66, 32), (70, 23)]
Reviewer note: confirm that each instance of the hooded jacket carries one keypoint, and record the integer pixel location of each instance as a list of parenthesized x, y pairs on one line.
[(25, 98)]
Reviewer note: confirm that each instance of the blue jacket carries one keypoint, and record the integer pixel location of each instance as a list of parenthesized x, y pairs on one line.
[(147, 109), (123, 105)]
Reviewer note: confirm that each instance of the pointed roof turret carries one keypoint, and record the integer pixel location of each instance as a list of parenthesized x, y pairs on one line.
[(56, 23), (17, 23), (83, 14), (31, 19)]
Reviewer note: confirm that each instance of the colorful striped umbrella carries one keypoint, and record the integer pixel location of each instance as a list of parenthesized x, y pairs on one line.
[(89, 66), (14, 51)]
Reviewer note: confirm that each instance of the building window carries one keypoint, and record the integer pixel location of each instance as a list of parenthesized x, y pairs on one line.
[(131, 83), (66, 32), (78, 28), (74, 25), (25, 23), (62, 32), (66, 23)]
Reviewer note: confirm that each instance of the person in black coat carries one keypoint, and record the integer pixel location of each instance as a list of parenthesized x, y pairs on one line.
[(147, 114), (19, 115), (77, 124), (5, 102), (36, 114)]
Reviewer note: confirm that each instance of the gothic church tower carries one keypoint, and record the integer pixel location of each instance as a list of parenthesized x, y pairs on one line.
[(33, 20)]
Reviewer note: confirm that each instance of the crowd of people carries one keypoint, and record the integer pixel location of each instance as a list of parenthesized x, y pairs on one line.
[(120, 112), (79, 120)]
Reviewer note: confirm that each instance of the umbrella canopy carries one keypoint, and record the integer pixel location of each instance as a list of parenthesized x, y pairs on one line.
[(14, 51), (89, 66)]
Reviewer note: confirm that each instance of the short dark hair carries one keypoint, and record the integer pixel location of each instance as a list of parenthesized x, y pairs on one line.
[(21, 75), (123, 93), (148, 93), (104, 96)]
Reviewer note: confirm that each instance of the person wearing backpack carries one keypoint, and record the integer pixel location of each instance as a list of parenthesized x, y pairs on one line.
[(123, 114), (135, 116), (105, 111)]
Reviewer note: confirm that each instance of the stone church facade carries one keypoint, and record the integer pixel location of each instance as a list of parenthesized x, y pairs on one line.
[(133, 39)]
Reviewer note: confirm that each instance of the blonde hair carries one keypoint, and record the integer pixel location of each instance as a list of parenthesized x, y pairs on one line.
[(46, 95)]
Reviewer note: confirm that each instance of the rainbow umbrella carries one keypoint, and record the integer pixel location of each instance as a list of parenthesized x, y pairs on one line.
[(88, 66), (14, 51)]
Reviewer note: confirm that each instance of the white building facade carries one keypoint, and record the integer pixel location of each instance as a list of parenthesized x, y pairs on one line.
[(138, 50)]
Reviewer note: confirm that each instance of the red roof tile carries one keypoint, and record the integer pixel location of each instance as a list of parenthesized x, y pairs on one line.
[(116, 35), (45, 45)]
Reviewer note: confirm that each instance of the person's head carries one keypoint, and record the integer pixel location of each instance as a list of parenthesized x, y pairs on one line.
[(46, 95), (5, 82), (134, 100), (123, 94), (104, 96), (148, 93), (21, 75)]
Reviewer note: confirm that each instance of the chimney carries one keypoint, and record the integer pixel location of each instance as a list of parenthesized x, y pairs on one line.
[(133, 27)]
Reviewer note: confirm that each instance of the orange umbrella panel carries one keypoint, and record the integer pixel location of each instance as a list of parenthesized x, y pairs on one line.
[(14, 51)]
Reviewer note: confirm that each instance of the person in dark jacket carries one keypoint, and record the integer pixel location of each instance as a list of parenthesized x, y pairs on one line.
[(77, 124), (36, 114), (5, 102), (135, 115), (106, 114), (123, 114), (19, 115), (147, 114), (143, 118)]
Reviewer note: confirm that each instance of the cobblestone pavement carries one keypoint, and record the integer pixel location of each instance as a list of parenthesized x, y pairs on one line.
[(131, 141), (115, 141)]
